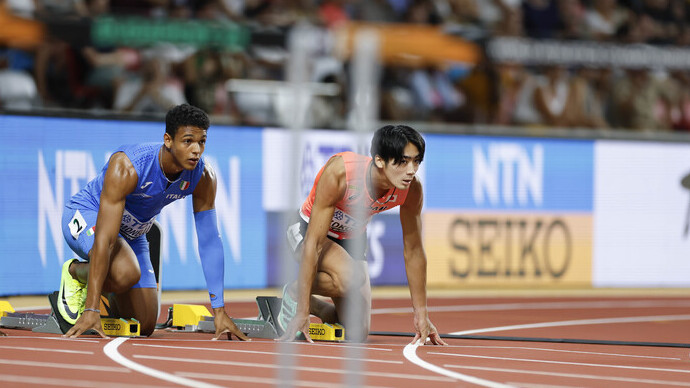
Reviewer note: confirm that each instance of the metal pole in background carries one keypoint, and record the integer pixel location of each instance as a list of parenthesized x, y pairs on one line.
[(364, 103), (300, 47)]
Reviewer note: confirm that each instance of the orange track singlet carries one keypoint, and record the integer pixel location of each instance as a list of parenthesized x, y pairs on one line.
[(345, 223)]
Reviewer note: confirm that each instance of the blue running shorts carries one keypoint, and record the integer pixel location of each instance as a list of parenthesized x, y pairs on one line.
[(78, 230)]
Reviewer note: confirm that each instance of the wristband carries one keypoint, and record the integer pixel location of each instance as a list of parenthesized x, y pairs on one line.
[(94, 310)]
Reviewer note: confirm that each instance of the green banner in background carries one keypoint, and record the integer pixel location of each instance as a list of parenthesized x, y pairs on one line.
[(137, 32)]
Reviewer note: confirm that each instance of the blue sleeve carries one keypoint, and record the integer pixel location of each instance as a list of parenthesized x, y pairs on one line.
[(211, 254)]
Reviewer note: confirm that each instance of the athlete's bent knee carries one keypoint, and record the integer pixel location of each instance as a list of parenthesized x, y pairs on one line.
[(123, 281)]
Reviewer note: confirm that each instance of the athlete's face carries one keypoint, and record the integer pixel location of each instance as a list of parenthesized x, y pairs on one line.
[(401, 175), (187, 146)]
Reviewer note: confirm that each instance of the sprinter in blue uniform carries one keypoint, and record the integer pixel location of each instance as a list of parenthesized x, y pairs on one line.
[(106, 223)]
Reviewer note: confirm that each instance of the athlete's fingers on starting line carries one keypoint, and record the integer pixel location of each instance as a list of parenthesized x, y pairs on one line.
[(229, 333), (416, 338), (437, 340)]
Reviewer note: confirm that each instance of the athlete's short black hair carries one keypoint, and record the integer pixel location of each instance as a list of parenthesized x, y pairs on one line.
[(185, 115), (389, 142)]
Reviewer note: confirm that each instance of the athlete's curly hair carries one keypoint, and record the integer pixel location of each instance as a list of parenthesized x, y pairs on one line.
[(389, 142), (185, 115)]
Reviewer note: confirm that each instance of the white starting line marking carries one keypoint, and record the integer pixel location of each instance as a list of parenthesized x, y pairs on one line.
[(410, 351), (110, 350)]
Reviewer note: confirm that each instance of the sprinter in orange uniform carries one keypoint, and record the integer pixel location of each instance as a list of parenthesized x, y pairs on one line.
[(329, 238)]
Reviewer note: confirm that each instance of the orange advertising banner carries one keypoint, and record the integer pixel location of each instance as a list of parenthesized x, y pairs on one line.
[(412, 45)]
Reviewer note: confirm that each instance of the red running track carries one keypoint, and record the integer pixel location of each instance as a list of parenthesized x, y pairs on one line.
[(173, 359)]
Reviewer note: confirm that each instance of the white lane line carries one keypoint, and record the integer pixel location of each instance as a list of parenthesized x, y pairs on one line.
[(572, 375), (62, 365), (52, 381), (410, 352), (615, 304), (565, 363), (533, 385), (110, 350), (46, 349), (484, 347), (50, 338), (578, 322), (300, 368), (244, 351), (264, 380)]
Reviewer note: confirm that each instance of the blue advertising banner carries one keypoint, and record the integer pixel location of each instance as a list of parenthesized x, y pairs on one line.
[(49, 159), (476, 172)]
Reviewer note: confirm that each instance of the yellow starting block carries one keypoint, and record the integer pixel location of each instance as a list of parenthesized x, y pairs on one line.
[(5, 307), (120, 327), (188, 314), (197, 318), (326, 332)]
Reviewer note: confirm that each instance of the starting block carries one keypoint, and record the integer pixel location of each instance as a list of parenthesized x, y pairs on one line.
[(5, 307), (53, 323), (196, 318)]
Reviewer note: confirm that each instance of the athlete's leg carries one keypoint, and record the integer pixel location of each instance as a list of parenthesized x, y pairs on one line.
[(339, 277), (140, 300), (123, 272), (140, 304)]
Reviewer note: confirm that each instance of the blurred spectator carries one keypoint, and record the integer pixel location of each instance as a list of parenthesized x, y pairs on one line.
[(508, 20), (205, 74), (397, 98), (542, 18), (480, 85), (17, 87), (640, 102), (434, 93), (586, 107), (572, 14), (679, 87), (663, 28), (511, 77), (373, 11), (154, 90), (603, 18), (151, 8), (332, 13), (552, 97)]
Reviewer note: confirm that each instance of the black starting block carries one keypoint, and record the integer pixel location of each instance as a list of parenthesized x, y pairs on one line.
[(195, 318)]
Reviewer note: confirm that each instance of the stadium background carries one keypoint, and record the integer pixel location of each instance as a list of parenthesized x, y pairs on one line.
[(562, 203)]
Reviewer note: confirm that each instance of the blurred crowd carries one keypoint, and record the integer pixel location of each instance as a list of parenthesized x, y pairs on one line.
[(57, 73)]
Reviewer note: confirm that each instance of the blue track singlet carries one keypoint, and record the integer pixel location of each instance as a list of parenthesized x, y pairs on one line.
[(151, 194)]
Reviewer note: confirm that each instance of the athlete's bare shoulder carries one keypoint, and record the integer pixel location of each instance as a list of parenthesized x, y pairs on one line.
[(335, 166), (333, 181), (121, 173)]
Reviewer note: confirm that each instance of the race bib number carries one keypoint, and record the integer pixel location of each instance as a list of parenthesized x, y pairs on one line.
[(77, 225), (131, 228), (293, 236)]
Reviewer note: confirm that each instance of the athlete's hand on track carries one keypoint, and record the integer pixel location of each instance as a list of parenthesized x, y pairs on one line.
[(225, 325), (425, 329), (88, 320), (298, 323)]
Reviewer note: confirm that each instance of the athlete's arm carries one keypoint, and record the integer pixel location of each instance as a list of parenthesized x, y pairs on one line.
[(120, 180), (415, 262), (329, 191), (211, 251)]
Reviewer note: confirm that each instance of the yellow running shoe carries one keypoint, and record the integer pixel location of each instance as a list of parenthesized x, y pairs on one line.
[(72, 295)]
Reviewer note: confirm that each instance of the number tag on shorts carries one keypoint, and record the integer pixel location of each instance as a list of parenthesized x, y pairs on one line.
[(77, 224)]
